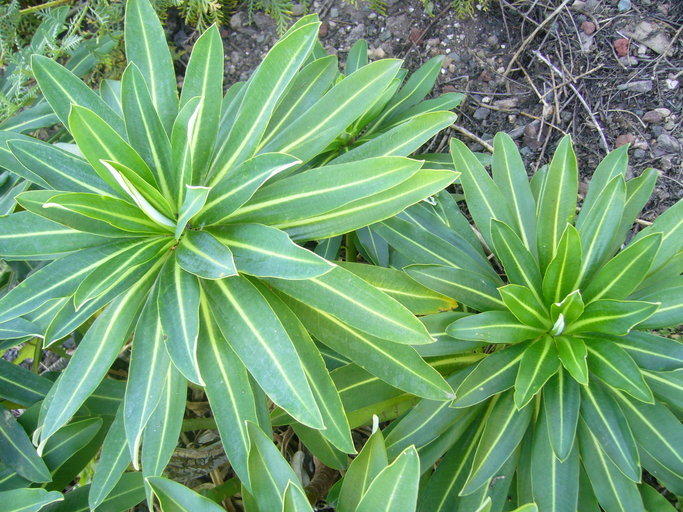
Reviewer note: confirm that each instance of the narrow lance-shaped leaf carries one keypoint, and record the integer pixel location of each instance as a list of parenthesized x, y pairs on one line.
[(557, 201), (539, 362), (201, 254), (195, 198), (612, 316), (563, 270), (18, 452), (146, 47), (178, 303), (228, 391), (149, 364), (493, 327), (353, 301), (572, 353), (175, 497), (29, 500), (395, 487), (561, 402), (257, 336), (510, 176), (94, 356)]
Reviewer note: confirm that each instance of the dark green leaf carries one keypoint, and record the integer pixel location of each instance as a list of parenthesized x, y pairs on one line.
[(539, 362)]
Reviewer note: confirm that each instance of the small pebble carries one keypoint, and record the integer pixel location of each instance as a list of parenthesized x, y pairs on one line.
[(624, 5), (324, 29), (627, 138), (588, 27), (621, 47), (481, 113)]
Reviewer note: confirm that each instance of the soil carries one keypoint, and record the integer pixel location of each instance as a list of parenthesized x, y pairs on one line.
[(617, 74)]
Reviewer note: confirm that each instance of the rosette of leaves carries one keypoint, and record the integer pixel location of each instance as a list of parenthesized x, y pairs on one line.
[(172, 219), (573, 397)]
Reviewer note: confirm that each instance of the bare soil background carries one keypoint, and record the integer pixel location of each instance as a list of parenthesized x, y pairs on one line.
[(608, 72)]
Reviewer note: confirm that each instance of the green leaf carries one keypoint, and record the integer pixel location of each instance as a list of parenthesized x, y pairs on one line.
[(307, 87), (520, 265), (494, 374), (651, 351), (324, 189), (470, 288), (237, 188), (369, 463), (65, 91), (108, 276), (255, 333), (369, 210), (357, 57), (113, 461), (419, 299), (657, 430), (395, 487), (422, 245), (613, 490), (145, 130), (493, 327), (29, 500), (262, 92), (612, 316), (98, 141), (319, 446), (149, 364), (115, 212), (60, 169), (562, 273), (26, 236), (653, 500), (525, 305), (566, 312), (484, 199), (264, 251), (402, 140), (195, 198), (325, 394), (204, 78), (598, 231), (613, 165), (96, 352), (396, 364), (638, 192), (57, 279), (144, 195), (178, 303), (557, 201), (269, 472), (616, 368), (199, 253), (175, 497), (164, 426), (18, 452), (670, 225), (602, 415), (346, 101), (146, 47), (539, 362), (295, 500), (228, 391), (110, 90), (561, 402), (670, 300), (21, 386), (353, 301), (555, 482), (510, 175), (572, 353), (505, 427)]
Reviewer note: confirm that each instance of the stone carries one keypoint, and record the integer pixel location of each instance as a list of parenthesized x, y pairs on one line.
[(588, 27), (236, 21), (481, 113), (668, 144), (671, 84), (415, 35), (621, 47), (433, 41), (628, 61), (636, 86), (506, 103), (324, 29), (627, 138), (656, 116), (399, 25), (651, 35), (624, 5), (639, 154), (376, 53), (334, 12)]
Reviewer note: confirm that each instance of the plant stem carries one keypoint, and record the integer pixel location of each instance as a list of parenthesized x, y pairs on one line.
[(351, 251), (46, 5), (198, 424), (37, 356)]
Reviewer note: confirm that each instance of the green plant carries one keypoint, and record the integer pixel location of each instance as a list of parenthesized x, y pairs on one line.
[(572, 396), (173, 219)]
